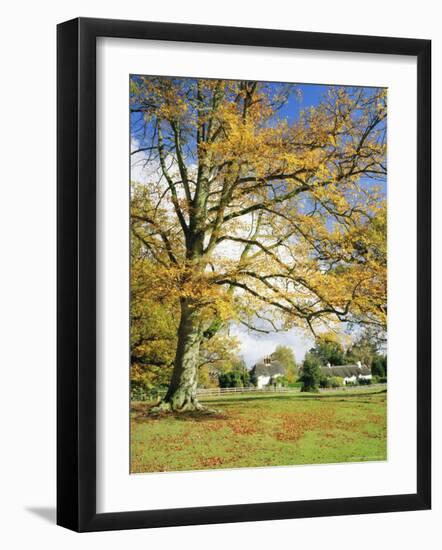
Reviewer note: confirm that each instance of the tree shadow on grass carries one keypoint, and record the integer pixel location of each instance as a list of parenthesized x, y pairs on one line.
[(200, 417), (225, 404), (143, 416), (339, 396), (301, 396)]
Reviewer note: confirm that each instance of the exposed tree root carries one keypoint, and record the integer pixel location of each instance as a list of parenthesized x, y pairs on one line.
[(189, 405)]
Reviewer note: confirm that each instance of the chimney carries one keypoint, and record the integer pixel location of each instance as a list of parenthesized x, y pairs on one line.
[(328, 365), (359, 364)]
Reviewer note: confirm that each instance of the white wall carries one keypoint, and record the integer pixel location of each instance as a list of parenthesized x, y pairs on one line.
[(27, 289), (263, 381)]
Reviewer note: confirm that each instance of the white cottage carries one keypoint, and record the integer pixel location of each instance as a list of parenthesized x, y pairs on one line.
[(350, 373), (267, 371)]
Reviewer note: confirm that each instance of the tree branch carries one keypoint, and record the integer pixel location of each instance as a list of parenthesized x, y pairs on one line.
[(170, 182)]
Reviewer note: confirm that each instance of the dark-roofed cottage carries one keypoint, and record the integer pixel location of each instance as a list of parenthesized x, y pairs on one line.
[(350, 373), (267, 371)]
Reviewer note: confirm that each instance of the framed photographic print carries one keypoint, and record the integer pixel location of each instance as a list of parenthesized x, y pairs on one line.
[(243, 274)]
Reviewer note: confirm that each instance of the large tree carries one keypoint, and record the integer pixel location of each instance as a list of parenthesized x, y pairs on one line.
[(286, 356), (247, 217), (328, 349)]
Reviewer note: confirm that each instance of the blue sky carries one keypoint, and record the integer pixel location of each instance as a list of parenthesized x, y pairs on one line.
[(311, 96)]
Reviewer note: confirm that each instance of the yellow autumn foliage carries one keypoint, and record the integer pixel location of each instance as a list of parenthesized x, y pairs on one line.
[(252, 219)]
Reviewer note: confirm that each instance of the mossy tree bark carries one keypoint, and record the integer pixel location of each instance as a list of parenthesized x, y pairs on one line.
[(181, 394)]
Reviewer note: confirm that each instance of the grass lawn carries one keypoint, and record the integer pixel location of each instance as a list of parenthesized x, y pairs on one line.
[(263, 430)]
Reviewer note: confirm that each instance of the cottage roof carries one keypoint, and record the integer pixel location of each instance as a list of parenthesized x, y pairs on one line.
[(345, 371), (268, 368)]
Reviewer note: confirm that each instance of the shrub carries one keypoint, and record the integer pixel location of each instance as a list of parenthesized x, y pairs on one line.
[(364, 381), (253, 379), (311, 373), (280, 381), (379, 365), (245, 377), (331, 382), (234, 379), (335, 381), (140, 393)]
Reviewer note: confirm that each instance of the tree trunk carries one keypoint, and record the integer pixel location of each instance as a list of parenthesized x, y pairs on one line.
[(181, 394)]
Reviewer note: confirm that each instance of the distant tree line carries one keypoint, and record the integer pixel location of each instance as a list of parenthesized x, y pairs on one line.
[(329, 350)]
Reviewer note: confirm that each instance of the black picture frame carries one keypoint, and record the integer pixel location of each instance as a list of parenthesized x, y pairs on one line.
[(77, 287)]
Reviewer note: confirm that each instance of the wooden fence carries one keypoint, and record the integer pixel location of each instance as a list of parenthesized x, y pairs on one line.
[(249, 389), (218, 392), (208, 392)]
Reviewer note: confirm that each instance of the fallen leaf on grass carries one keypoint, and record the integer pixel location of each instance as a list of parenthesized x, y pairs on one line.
[(211, 461), (242, 426), (295, 425)]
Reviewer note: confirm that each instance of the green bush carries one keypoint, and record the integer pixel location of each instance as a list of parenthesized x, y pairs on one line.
[(280, 381), (234, 379), (331, 382), (336, 381), (379, 366), (140, 393), (311, 373), (364, 381)]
